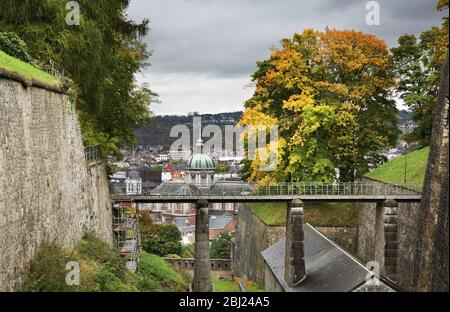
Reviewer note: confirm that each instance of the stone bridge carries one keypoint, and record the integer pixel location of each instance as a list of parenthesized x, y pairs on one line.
[(285, 192), (386, 197)]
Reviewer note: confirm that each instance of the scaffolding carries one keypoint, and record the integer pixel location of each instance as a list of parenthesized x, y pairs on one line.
[(126, 233)]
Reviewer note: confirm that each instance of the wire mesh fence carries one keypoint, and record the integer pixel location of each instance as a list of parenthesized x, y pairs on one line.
[(92, 153), (54, 69), (332, 189), (303, 189)]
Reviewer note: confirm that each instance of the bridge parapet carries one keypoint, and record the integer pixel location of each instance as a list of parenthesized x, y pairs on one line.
[(188, 263), (308, 191)]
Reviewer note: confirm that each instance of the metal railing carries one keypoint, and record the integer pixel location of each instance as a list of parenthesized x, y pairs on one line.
[(301, 189), (332, 189), (92, 153), (55, 69), (123, 224)]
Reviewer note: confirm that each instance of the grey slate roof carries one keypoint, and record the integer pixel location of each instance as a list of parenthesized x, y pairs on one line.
[(229, 188), (328, 268), (176, 188), (182, 223), (219, 222), (219, 188), (215, 222)]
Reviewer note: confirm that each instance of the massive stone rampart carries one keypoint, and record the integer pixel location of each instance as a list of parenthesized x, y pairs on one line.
[(47, 190)]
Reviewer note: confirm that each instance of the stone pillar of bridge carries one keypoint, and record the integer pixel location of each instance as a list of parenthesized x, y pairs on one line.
[(390, 229), (202, 265), (294, 260)]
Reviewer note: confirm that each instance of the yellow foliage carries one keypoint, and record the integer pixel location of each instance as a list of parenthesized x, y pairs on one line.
[(314, 89)]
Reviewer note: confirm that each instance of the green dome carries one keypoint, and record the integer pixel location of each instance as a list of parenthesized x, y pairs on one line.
[(201, 162)]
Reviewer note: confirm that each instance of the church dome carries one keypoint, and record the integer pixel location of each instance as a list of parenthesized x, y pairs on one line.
[(201, 162)]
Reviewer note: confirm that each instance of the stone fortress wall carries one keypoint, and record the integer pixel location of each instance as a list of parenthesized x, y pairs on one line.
[(48, 193)]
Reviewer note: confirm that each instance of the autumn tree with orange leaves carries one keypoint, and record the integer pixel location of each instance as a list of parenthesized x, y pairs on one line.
[(329, 94)]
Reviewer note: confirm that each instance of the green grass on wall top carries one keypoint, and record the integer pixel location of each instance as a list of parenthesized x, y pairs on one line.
[(270, 213), (224, 285), (26, 70), (393, 171), (325, 214)]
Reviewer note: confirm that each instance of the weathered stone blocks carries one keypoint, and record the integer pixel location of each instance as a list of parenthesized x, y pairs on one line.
[(47, 192)]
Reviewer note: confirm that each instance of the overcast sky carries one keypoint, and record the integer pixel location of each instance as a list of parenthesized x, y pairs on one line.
[(205, 50)]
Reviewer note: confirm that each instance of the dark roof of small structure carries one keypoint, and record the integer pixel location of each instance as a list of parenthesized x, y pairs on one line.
[(176, 188), (229, 188), (218, 188), (182, 222), (328, 267), (219, 222)]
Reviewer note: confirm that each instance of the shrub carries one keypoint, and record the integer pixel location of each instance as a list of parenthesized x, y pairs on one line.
[(188, 251), (145, 223), (101, 269), (11, 44), (47, 271), (221, 247), (95, 249), (147, 283), (155, 268), (162, 240), (108, 281)]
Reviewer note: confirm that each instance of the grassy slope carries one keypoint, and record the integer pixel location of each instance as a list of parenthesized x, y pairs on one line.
[(270, 213), (166, 277), (102, 269), (233, 286), (26, 70), (224, 285), (394, 170), (343, 214), (253, 287)]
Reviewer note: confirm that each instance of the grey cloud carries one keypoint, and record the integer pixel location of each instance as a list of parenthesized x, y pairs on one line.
[(225, 39), (228, 37)]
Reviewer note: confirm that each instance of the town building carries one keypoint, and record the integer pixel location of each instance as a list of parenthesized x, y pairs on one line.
[(166, 173), (199, 178), (200, 168), (133, 182), (219, 222), (178, 173), (162, 158)]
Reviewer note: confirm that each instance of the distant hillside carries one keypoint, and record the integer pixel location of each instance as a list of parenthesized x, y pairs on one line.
[(404, 116), (157, 130), (394, 171)]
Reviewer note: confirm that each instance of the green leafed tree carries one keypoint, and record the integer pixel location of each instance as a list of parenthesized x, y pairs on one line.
[(101, 55), (221, 247), (329, 93), (417, 64), (162, 240)]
